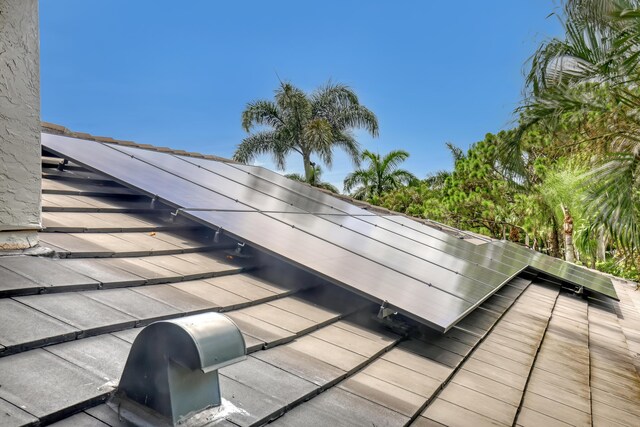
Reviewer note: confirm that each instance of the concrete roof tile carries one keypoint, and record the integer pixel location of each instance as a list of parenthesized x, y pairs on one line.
[(107, 275), (137, 266), (256, 407), (280, 318), (270, 380), (383, 393), (530, 418), (176, 298), (16, 284), (301, 364), (556, 410), (134, 304), (43, 384), (479, 403), (449, 414), (332, 354), (212, 294), (305, 309), (560, 395), (421, 365), (403, 378), (260, 329), (81, 419), (104, 355), (12, 416), (25, 327), (79, 311), (491, 386), (339, 408), (421, 421), (350, 341), (52, 273), (243, 288)]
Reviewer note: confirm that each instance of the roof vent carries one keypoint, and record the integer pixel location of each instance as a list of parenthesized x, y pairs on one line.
[(171, 375)]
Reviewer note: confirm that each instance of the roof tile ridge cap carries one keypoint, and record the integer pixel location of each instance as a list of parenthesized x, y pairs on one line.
[(56, 129)]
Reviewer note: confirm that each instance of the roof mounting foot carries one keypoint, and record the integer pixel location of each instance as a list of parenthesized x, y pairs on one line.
[(385, 312), (173, 215), (389, 319), (62, 164), (239, 252)]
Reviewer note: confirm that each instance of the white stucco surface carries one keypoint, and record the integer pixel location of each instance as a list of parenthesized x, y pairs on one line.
[(20, 168)]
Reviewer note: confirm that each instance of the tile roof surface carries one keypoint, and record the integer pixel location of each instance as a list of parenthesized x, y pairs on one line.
[(532, 354)]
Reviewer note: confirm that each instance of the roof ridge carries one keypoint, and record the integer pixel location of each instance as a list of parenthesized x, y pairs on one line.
[(56, 129)]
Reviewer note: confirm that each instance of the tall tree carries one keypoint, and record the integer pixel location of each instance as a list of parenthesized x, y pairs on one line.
[(380, 176), (308, 124)]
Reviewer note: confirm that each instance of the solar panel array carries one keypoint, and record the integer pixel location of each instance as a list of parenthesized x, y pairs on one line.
[(424, 273)]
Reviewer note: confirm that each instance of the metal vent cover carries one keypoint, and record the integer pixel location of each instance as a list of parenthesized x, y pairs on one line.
[(172, 368)]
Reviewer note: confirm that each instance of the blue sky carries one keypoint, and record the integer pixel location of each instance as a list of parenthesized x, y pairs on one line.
[(179, 74)]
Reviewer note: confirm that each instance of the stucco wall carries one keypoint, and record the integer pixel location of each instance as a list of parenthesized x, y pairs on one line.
[(20, 168)]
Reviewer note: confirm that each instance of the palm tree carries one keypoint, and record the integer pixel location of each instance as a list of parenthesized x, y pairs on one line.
[(592, 76), (315, 180), (382, 175), (307, 124)]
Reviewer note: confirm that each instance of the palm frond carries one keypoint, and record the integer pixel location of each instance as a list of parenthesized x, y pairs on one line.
[(350, 145), (296, 177), (357, 178), (392, 159), (331, 96), (613, 197), (265, 142), (328, 186), (261, 112), (404, 177), (357, 116)]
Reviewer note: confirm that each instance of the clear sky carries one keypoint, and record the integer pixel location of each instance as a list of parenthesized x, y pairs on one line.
[(179, 74)]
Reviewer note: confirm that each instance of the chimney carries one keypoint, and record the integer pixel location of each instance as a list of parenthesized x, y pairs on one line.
[(171, 374), (20, 164)]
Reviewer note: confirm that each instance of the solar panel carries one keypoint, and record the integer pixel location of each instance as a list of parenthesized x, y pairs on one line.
[(426, 274), (256, 183), (515, 255), (141, 175), (214, 182), (422, 302), (429, 231), (451, 275), (337, 205), (505, 266), (561, 270)]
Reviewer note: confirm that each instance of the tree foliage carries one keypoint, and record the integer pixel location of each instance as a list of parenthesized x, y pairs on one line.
[(380, 176), (315, 179)]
